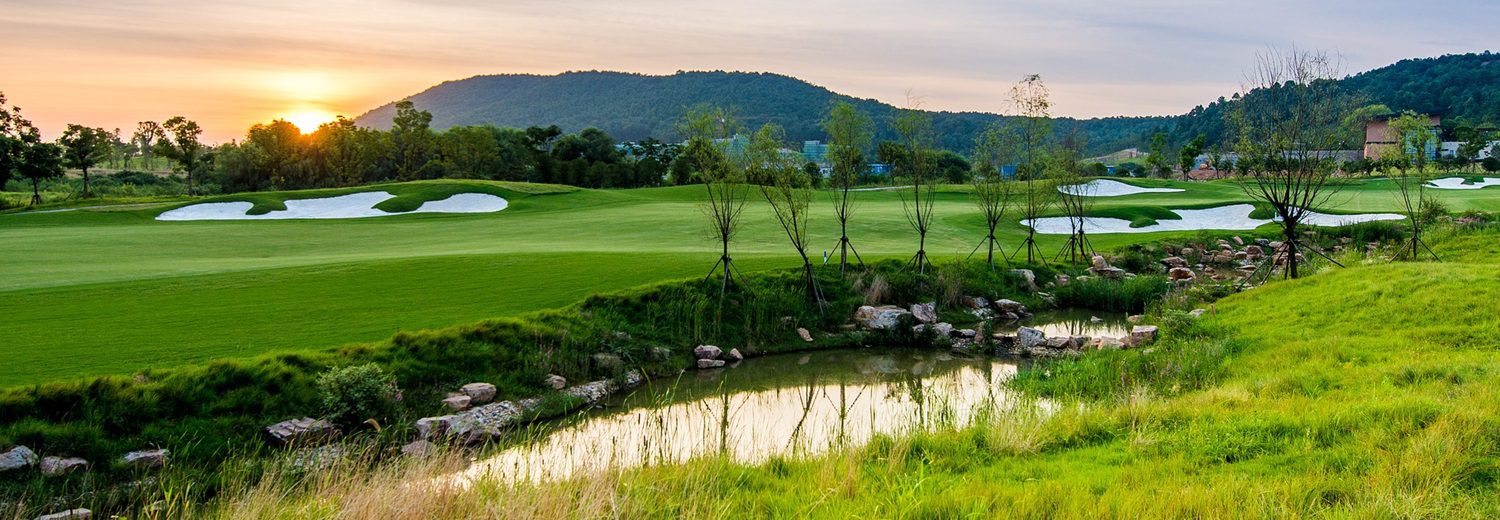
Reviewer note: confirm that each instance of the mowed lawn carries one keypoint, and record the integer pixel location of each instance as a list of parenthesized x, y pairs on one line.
[(111, 290)]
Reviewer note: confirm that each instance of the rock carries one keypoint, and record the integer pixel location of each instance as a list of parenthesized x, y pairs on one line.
[(804, 334), (1004, 305), (734, 355), (1238, 240), (975, 302), (420, 449), (480, 393), (608, 362), (1197, 313), (1241, 255), (1010, 316), (707, 352), (71, 514), (1030, 338), (943, 330), (1059, 343), (1188, 251), (301, 432), (1095, 319), (1173, 261), (557, 382), (19, 457), (1112, 273), (1026, 275), (1062, 280), (1262, 242), (704, 364), (1254, 252), (924, 312), (1180, 274), (1105, 342), (57, 466), (1134, 318), (457, 402), (1099, 263), (966, 333), (1142, 335), (146, 458), (885, 317)]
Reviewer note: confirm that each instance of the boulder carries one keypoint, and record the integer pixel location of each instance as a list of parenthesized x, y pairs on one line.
[(71, 514), (707, 352), (1105, 342), (1254, 252), (1142, 335), (58, 466), (1026, 275), (1180, 274), (420, 449), (943, 330), (704, 364), (885, 317), (1030, 338), (19, 457), (301, 432), (1238, 240), (1241, 255), (146, 458), (966, 333), (1099, 263), (457, 402), (924, 312), (556, 382), (1004, 305), (1095, 319), (1188, 251), (1112, 273), (975, 302), (1059, 343), (804, 334), (734, 355), (479, 393), (1174, 261)]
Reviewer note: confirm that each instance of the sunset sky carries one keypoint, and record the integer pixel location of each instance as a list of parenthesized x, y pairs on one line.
[(230, 63)]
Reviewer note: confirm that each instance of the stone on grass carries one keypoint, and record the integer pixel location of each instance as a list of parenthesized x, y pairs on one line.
[(457, 402), (1026, 275), (704, 364), (975, 302), (804, 334), (301, 432), (71, 514), (556, 382), (1099, 263), (885, 317), (924, 312), (147, 458), (58, 466), (1174, 261), (479, 393), (707, 352), (1197, 313), (1142, 335), (1181, 274), (19, 457)]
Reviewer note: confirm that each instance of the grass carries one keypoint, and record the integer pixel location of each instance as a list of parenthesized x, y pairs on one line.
[(133, 293), (1363, 392)]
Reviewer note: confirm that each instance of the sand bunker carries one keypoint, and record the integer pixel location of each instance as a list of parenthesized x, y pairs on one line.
[(1234, 218), (1457, 183), (1109, 188), (354, 205)]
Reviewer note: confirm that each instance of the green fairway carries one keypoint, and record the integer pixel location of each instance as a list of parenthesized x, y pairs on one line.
[(111, 290)]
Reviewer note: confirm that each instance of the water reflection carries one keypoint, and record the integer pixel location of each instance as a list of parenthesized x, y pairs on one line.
[(791, 404), (1073, 322)]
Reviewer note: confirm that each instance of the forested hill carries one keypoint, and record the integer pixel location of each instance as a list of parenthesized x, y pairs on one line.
[(636, 106)]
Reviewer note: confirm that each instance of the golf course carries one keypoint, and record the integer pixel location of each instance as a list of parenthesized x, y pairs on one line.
[(112, 290)]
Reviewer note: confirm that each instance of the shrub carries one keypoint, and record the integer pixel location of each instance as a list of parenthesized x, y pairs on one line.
[(352, 394), (1431, 210), (1128, 295), (1491, 164)]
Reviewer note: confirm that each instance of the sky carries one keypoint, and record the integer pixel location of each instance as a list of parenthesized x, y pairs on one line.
[(231, 63)]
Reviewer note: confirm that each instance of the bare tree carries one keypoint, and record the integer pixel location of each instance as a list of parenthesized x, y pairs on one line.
[(914, 129), (706, 127), (850, 133), (1075, 197), (1414, 135), (786, 188), (993, 149), (1287, 121), (1032, 127)]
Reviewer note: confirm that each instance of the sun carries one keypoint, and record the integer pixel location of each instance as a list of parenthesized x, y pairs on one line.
[(308, 120)]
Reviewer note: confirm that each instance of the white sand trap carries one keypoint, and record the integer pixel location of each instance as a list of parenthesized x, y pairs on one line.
[(1109, 188), (1457, 183), (1234, 218), (354, 205)]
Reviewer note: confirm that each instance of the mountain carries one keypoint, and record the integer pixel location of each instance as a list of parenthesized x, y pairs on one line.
[(636, 106)]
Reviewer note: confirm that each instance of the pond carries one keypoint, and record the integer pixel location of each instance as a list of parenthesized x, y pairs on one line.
[(799, 403)]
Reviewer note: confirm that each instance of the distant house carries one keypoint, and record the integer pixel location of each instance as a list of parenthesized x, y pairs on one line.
[(1380, 139), (815, 152)]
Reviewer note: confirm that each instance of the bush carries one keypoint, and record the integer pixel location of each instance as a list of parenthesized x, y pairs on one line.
[(353, 394), (1431, 210), (1128, 295), (1491, 164)]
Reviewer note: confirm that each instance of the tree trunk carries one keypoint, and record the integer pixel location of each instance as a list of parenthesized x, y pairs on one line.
[(36, 192), (86, 193)]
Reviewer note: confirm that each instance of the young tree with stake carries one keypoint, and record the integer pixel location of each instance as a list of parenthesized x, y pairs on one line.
[(992, 189), (1032, 127), (914, 129), (722, 179), (1282, 133), (850, 133), (785, 186), (1414, 135)]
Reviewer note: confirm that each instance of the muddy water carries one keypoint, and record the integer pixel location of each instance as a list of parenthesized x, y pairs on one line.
[(785, 404)]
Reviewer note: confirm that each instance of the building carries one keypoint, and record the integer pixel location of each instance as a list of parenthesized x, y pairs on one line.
[(1380, 139), (815, 152)]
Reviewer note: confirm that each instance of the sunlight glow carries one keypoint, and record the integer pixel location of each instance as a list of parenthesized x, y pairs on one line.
[(308, 120)]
